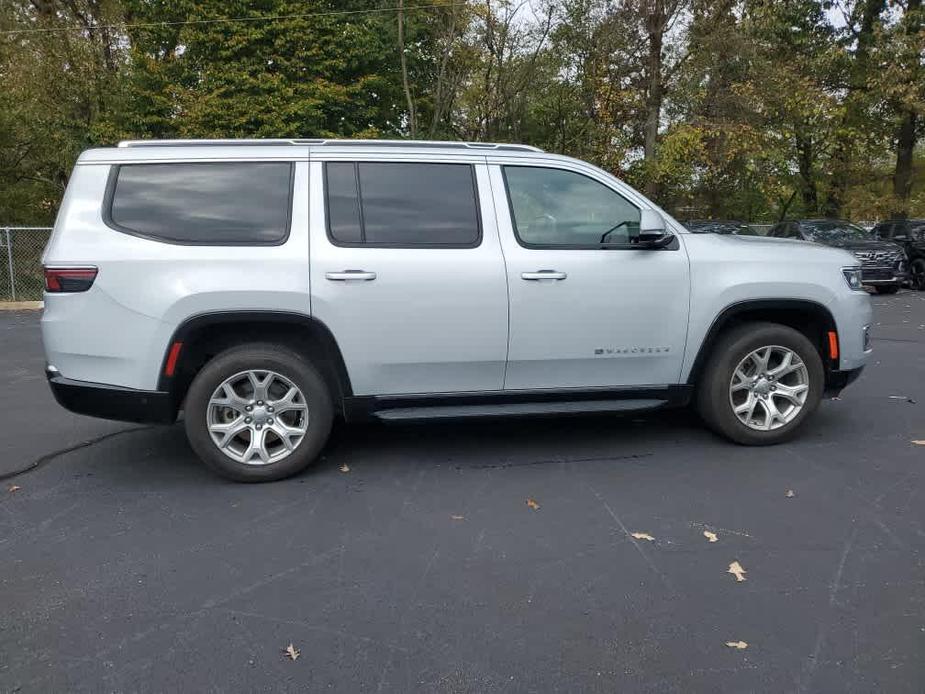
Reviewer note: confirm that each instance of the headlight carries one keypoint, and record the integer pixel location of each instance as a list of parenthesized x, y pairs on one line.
[(853, 278)]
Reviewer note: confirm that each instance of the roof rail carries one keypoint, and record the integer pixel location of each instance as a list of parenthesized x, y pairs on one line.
[(333, 143)]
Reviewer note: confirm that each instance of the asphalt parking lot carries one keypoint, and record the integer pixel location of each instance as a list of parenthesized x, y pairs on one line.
[(410, 560)]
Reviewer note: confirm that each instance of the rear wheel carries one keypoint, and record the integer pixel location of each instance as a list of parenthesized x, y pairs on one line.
[(258, 413), (887, 290), (761, 383), (918, 274)]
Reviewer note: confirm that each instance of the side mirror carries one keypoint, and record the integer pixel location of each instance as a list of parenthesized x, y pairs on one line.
[(652, 230)]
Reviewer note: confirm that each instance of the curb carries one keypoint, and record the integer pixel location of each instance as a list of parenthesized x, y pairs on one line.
[(21, 305)]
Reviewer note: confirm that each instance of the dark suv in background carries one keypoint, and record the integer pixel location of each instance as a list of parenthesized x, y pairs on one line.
[(909, 234), (884, 266)]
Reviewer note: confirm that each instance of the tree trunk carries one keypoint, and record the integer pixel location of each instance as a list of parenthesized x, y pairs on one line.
[(854, 108), (805, 161), (412, 128), (907, 133), (655, 29)]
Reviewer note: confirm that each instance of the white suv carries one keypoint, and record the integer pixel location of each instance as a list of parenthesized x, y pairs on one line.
[(266, 287)]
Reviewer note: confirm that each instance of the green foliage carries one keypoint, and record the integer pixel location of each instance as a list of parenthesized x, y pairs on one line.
[(764, 109)]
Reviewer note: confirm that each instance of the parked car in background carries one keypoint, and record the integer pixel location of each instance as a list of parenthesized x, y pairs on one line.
[(909, 234), (884, 266), (720, 226)]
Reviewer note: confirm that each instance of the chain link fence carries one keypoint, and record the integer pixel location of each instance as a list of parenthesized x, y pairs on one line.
[(21, 277)]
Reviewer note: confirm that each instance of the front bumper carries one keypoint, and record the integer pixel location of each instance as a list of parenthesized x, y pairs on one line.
[(883, 276), (112, 402), (836, 381)]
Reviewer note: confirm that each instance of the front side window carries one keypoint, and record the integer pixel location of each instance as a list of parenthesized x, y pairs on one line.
[(402, 204), (882, 231), (227, 203), (558, 208)]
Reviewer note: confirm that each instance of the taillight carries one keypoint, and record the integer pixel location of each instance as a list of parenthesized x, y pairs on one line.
[(69, 279)]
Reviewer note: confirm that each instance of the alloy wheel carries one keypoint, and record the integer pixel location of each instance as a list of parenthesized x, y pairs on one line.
[(257, 417), (769, 388)]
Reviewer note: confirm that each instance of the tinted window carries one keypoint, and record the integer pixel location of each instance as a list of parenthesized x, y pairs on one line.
[(402, 204), (343, 203), (552, 207), (221, 203), (883, 231)]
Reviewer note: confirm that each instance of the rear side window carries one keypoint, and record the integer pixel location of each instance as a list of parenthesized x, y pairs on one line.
[(229, 203), (393, 204)]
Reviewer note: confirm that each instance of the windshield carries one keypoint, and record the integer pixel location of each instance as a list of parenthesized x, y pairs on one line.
[(834, 231), (720, 227)]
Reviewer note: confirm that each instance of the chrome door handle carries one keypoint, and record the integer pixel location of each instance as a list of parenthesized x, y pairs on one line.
[(543, 275), (348, 275)]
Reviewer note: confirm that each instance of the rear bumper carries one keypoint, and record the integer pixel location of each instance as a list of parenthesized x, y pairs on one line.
[(112, 402), (836, 381)]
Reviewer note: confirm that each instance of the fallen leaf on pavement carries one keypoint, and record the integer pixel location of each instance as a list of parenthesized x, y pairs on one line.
[(643, 536), (16, 487), (735, 568), (710, 536), (291, 652), (532, 504), (790, 494), (741, 645), (345, 468), (458, 517)]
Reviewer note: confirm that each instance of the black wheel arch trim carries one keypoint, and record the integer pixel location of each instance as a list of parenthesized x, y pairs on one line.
[(734, 310), (200, 323)]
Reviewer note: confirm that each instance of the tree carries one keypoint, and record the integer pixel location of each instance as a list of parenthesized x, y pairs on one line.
[(862, 32), (905, 77)]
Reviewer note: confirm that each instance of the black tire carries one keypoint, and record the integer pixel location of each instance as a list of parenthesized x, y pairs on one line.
[(268, 357), (918, 274), (713, 397), (886, 290)]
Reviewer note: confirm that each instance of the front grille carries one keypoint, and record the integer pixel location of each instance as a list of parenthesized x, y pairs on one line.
[(878, 258)]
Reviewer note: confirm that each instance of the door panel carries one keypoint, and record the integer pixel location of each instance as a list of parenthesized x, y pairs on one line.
[(612, 317), (412, 319)]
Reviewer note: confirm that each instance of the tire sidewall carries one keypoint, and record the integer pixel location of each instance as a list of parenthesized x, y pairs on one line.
[(918, 279), (715, 390), (258, 357)]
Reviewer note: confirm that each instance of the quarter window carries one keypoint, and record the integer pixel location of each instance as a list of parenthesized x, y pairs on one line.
[(232, 203), (558, 208), (402, 204)]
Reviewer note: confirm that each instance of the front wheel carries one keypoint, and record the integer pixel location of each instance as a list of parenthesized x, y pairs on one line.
[(761, 383), (257, 413), (918, 273)]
